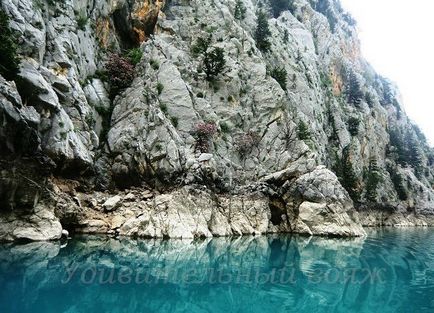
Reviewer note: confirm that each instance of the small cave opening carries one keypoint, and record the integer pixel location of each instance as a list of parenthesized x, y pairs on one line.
[(133, 31), (123, 27), (277, 209)]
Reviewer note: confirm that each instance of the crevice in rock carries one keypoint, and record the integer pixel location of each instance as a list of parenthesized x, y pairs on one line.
[(278, 210)]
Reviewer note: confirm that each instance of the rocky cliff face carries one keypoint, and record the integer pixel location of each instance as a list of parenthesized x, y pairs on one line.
[(294, 119)]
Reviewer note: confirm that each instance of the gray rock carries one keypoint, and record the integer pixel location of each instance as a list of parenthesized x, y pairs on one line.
[(205, 157), (112, 203), (39, 226), (33, 84)]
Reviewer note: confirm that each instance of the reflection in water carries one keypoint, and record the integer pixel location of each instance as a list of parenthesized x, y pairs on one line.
[(390, 271)]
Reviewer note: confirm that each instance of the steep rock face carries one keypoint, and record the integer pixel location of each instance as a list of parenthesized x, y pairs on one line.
[(174, 126), (356, 124)]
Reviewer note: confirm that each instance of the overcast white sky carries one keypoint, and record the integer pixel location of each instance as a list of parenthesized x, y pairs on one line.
[(397, 38)]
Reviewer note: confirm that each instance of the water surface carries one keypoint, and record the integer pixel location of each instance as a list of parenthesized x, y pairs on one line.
[(390, 271)]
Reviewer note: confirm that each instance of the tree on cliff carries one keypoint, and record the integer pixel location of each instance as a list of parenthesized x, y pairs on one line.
[(213, 59), (240, 10), (354, 89), (349, 179), (262, 32), (374, 178), (279, 6), (9, 60)]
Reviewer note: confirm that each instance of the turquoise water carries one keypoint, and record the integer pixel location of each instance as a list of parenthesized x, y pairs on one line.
[(390, 271)]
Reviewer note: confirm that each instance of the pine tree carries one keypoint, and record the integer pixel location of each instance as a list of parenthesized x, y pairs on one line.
[(240, 10), (414, 154), (398, 182), (353, 126), (354, 89), (350, 180), (9, 60), (213, 63), (213, 60), (262, 32), (278, 6), (303, 131), (374, 178), (396, 149)]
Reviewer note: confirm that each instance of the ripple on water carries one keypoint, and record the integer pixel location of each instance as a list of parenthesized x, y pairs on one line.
[(390, 271)]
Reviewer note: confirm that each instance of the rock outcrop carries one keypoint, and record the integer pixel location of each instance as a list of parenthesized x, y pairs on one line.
[(291, 134)]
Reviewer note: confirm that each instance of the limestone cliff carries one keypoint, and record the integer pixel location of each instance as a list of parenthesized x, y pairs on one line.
[(288, 129)]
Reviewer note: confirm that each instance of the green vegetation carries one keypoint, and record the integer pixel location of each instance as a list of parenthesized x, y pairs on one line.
[(163, 107), (323, 7), (240, 10), (353, 126), (354, 89), (303, 131), (285, 36), (374, 178), (174, 120), (349, 179), (278, 6), (213, 63), (388, 96), (224, 127), (160, 88), (262, 32), (9, 60), (201, 45), (405, 149), (213, 60), (154, 64), (398, 182), (369, 98), (280, 75), (134, 55), (81, 21)]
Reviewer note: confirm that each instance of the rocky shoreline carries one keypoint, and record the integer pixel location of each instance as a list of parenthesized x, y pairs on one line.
[(311, 206)]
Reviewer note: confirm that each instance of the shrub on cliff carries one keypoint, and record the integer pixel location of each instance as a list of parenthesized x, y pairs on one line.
[(240, 10), (262, 32), (203, 132), (134, 55), (303, 131), (120, 73), (353, 126), (278, 6), (246, 142), (280, 75), (9, 60), (374, 178)]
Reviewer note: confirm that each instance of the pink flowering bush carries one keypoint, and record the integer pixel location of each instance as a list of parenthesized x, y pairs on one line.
[(120, 73), (204, 132), (247, 141)]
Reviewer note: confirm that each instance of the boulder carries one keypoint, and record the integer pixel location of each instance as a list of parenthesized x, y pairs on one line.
[(112, 203)]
